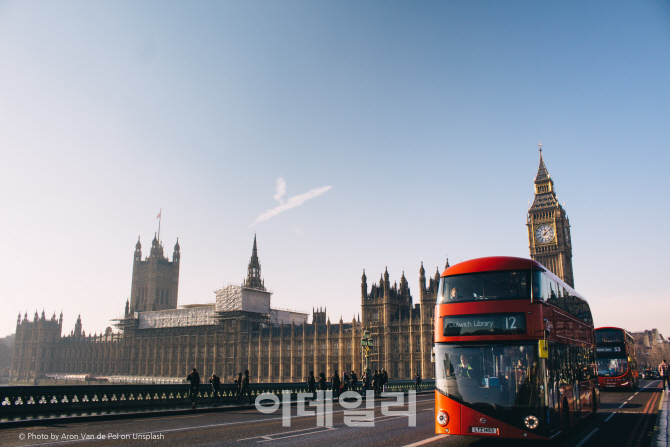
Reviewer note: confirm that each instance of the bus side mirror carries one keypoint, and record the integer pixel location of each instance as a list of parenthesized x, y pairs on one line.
[(542, 349)]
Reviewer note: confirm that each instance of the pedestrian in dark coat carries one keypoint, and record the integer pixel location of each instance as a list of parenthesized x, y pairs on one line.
[(354, 381), (385, 379), (311, 384), (366, 381), (375, 382), (336, 384), (244, 388), (194, 379), (345, 382), (216, 385), (417, 382)]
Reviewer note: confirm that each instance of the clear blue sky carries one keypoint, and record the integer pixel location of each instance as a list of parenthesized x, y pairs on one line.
[(423, 118)]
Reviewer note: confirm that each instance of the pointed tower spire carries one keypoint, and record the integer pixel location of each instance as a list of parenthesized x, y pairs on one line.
[(175, 253), (446, 266), (422, 283), (364, 287), (156, 247), (254, 280), (542, 173)]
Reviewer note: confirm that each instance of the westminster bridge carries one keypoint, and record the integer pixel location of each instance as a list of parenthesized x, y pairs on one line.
[(134, 415)]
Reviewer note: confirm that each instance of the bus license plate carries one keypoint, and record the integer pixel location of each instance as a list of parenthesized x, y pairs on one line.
[(487, 430)]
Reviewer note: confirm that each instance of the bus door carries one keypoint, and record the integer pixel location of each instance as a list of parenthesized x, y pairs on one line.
[(553, 393), (584, 398), (576, 388)]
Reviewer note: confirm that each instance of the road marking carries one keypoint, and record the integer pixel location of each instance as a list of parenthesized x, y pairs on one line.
[(427, 441), (621, 406), (279, 436), (293, 436), (630, 398), (586, 438), (282, 433), (610, 416)]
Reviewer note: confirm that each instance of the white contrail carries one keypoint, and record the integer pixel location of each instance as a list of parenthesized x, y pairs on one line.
[(293, 202), (281, 190)]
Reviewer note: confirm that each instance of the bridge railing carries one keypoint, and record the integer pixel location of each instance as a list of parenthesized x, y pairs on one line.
[(19, 402)]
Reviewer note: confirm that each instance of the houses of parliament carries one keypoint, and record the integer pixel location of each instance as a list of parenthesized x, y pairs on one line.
[(157, 339)]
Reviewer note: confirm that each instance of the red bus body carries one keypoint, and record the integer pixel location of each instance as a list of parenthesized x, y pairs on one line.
[(484, 401), (617, 367)]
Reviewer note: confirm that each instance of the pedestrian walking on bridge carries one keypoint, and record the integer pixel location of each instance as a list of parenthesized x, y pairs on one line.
[(417, 382), (335, 381), (354, 380), (194, 378), (215, 381), (244, 388), (664, 371)]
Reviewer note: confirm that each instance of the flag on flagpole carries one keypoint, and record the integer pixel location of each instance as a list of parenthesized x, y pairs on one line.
[(159, 215)]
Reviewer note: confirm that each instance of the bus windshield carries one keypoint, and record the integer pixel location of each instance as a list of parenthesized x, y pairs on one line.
[(612, 367), (497, 375), (498, 285)]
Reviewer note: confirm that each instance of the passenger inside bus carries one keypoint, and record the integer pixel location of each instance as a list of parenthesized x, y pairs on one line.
[(536, 291), (455, 294), (519, 373), (465, 368)]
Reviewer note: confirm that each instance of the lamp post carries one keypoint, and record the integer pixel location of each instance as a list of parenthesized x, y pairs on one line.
[(366, 344)]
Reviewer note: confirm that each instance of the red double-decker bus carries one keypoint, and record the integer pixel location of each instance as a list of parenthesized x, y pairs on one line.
[(617, 367), (514, 351)]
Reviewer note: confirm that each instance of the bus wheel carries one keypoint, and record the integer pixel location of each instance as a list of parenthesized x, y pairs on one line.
[(565, 418)]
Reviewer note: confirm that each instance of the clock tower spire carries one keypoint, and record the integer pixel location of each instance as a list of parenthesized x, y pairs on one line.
[(549, 228)]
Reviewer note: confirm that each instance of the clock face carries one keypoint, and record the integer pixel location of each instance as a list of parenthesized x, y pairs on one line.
[(567, 235), (544, 234)]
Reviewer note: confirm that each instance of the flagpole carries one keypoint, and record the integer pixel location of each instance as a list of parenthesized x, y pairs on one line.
[(160, 216)]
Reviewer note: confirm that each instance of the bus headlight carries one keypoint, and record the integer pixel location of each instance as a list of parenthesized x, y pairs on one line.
[(531, 422), (442, 418)]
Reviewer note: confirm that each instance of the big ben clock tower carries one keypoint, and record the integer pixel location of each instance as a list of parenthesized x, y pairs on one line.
[(549, 228)]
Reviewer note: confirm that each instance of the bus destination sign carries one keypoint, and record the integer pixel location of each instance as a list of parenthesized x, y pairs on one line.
[(608, 349), (492, 324)]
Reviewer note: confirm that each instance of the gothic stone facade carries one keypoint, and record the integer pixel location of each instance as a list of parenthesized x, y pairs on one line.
[(227, 342)]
